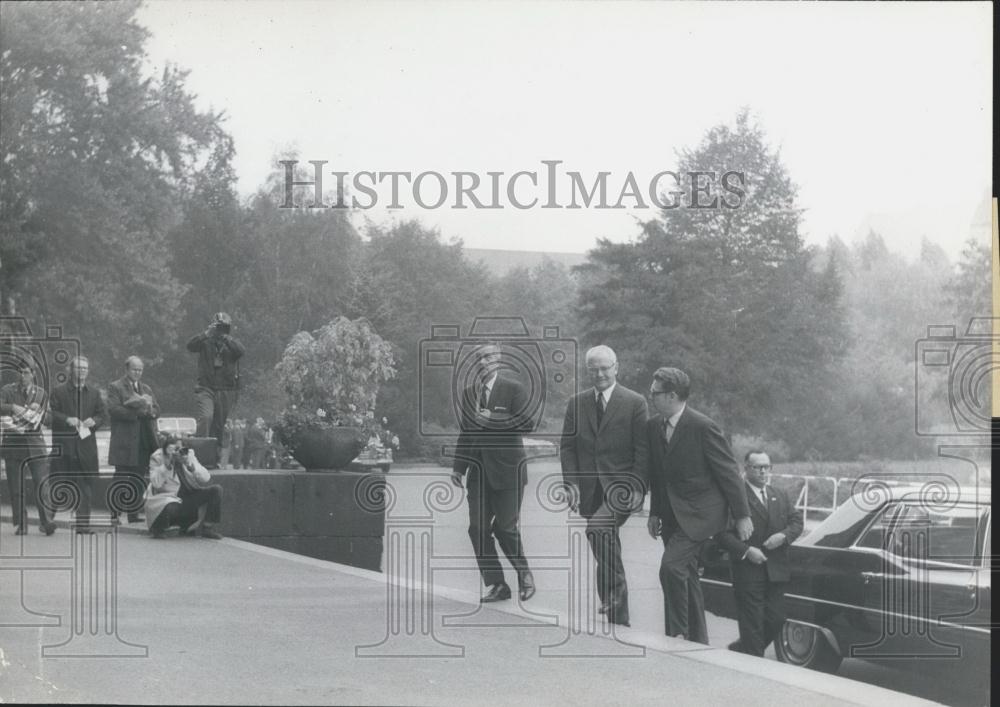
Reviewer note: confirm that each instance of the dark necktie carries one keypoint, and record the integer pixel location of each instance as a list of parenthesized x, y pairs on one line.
[(135, 385), (600, 408), (668, 430)]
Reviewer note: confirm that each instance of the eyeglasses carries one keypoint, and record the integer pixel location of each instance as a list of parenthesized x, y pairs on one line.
[(601, 369), (759, 467), (654, 393)]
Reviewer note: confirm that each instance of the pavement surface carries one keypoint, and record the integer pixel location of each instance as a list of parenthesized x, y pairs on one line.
[(222, 622)]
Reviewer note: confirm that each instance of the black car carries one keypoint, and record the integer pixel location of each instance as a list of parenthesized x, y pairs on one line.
[(894, 575)]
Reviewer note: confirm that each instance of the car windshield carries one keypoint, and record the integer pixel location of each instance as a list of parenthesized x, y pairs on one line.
[(842, 526)]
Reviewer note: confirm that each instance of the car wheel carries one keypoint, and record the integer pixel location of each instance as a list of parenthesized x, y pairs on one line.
[(807, 647)]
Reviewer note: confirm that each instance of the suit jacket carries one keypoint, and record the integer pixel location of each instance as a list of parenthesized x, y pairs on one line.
[(69, 401), (25, 429), (694, 481), (614, 452), (127, 423), (494, 447), (780, 516)]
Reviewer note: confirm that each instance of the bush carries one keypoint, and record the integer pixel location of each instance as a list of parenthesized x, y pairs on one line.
[(332, 379)]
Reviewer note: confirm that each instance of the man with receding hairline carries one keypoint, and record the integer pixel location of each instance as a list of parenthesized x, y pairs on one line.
[(78, 411), (133, 411), (603, 456)]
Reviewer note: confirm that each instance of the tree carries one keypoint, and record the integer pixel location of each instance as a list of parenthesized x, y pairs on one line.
[(544, 296), (968, 292), (93, 157), (411, 281), (727, 294), (298, 270)]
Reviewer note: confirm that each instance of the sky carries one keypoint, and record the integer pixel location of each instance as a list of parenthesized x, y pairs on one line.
[(882, 112)]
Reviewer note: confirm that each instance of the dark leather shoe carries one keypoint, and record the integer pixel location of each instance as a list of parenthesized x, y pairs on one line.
[(736, 647), (49, 528), (526, 583), (620, 621), (157, 534), (21, 530), (603, 609), (498, 592), (209, 533)]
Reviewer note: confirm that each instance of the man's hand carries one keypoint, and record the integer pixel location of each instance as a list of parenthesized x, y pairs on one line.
[(755, 555), (456, 478), (89, 422), (485, 414), (744, 528), (654, 526), (573, 498), (18, 409), (776, 540), (73, 421)]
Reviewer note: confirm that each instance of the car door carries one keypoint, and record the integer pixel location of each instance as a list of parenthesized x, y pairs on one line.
[(829, 583), (926, 590)]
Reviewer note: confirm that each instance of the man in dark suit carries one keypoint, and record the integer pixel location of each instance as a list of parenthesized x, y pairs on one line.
[(603, 456), (695, 487), (760, 564), (133, 411), (78, 411), (494, 415)]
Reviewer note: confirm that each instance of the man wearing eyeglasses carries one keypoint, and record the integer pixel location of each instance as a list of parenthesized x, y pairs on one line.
[(603, 456), (695, 488), (760, 564)]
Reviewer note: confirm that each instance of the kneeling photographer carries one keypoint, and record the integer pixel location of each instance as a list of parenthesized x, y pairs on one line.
[(180, 493)]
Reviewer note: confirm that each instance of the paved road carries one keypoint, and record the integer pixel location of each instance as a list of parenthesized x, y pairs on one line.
[(229, 622), (544, 531)]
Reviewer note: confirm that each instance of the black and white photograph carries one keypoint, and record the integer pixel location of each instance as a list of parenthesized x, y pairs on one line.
[(457, 352)]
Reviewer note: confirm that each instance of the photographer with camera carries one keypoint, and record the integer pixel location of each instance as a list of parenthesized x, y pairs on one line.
[(218, 376), (22, 447), (180, 492)]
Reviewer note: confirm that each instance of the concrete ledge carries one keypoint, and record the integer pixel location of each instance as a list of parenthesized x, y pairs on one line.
[(325, 515), (844, 689)]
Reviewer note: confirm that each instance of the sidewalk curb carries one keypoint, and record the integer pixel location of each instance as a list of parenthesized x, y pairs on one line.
[(845, 689)]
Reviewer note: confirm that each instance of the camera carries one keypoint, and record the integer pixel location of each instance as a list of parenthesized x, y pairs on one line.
[(953, 379), (545, 364)]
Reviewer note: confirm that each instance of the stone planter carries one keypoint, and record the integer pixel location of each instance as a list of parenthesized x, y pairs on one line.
[(323, 450)]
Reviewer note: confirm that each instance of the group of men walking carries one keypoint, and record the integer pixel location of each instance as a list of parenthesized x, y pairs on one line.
[(612, 452)]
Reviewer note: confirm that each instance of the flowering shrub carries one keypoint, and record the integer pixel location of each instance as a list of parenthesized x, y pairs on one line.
[(331, 379)]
